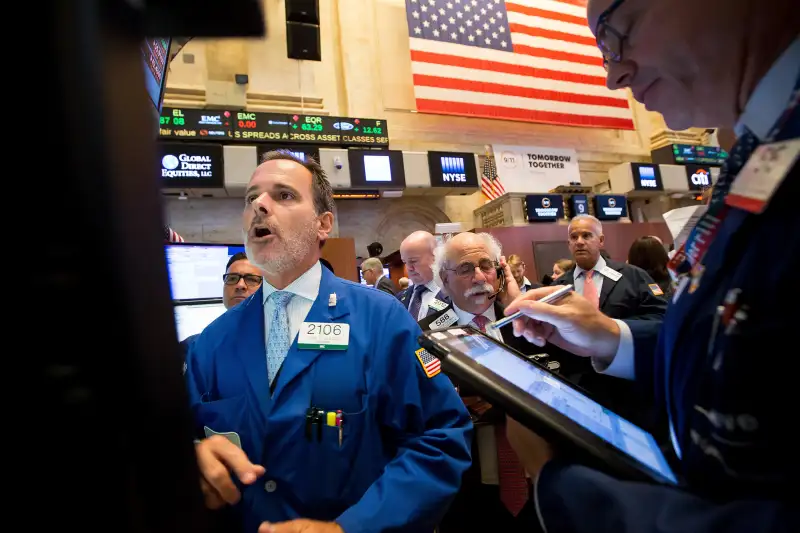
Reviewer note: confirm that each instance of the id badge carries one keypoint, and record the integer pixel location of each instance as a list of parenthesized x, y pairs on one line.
[(323, 336)]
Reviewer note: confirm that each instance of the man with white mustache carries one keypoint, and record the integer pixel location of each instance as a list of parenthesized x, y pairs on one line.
[(495, 491)]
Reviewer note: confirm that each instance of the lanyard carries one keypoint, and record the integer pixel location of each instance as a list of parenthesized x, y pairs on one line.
[(692, 252)]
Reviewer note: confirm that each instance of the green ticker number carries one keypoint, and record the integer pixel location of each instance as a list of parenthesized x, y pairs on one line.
[(179, 121), (311, 127), (374, 131)]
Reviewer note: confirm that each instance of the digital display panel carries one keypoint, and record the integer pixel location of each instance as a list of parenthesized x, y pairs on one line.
[(578, 205), (190, 165), (195, 270), (383, 169), (610, 206), (698, 177), (155, 54), (646, 177), (544, 207), (299, 151), (453, 169), (257, 127), (700, 155), (339, 131), (193, 319), (260, 127), (196, 124)]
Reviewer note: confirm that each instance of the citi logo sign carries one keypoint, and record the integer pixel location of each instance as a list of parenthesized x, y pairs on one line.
[(701, 177), (453, 170)]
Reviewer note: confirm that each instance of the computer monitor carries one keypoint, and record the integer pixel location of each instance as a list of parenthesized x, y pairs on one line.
[(195, 269), (155, 56), (192, 318)]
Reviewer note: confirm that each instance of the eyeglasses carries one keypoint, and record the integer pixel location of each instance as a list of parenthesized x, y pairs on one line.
[(251, 280), (609, 40), (467, 269)]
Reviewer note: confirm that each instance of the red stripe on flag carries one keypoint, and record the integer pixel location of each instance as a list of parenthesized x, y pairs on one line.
[(527, 115), (552, 34), (512, 90), (544, 13), (562, 56), (579, 3), (505, 68)]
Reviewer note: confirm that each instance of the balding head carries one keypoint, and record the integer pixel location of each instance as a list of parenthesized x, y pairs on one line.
[(696, 70), (471, 289), (416, 250)]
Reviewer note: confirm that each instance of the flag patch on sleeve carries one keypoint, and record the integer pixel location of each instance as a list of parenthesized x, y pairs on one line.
[(656, 289), (430, 364)]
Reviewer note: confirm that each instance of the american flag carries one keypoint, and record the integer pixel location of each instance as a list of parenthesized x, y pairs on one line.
[(490, 182), (430, 364), (528, 60)]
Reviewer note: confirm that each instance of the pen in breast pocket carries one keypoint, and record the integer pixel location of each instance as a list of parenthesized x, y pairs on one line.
[(550, 298)]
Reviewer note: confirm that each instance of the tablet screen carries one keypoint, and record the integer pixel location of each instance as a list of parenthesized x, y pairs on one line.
[(623, 435)]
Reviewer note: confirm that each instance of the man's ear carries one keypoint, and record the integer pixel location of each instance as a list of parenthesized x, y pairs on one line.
[(602, 241), (325, 225)]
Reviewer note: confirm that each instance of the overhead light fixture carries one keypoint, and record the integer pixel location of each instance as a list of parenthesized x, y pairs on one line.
[(356, 195)]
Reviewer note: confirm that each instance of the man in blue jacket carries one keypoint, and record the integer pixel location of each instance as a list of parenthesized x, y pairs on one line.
[(731, 64), (317, 408)]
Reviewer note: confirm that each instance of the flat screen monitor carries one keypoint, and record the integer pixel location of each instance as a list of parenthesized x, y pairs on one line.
[(155, 55), (192, 318), (382, 169), (195, 270)]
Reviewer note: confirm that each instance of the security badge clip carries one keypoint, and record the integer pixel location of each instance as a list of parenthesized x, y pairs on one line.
[(332, 300)]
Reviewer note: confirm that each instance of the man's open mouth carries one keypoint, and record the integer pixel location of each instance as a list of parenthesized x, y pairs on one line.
[(262, 232)]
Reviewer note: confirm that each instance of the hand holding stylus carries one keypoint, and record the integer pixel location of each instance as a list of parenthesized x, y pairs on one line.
[(571, 323)]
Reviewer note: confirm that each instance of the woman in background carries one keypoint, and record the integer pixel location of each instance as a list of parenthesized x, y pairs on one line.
[(648, 253), (561, 266)]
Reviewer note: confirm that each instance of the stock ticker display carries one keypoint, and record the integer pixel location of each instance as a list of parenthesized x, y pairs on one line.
[(248, 126)]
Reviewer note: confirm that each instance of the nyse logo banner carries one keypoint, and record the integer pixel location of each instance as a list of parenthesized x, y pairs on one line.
[(453, 170), (646, 177)]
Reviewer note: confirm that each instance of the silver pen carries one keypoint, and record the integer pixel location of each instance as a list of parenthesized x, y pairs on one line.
[(550, 298)]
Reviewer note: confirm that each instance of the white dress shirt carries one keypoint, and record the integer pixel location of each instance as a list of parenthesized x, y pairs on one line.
[(598, 280), (427, 298), (465, 319), (525, 284), (305, 290)]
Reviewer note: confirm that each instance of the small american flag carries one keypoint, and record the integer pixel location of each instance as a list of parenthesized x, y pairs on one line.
[(430, 364), (490, 182), (528, 60)]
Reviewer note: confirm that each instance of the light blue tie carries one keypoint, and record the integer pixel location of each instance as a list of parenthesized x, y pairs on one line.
[(278, 341)]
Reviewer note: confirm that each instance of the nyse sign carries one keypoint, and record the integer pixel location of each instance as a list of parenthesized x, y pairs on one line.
[(453, 170)]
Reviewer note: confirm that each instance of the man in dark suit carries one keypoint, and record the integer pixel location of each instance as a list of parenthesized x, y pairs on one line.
[(372, 270), (494, 491), (423, 298), (620, 291), (731, 427)]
